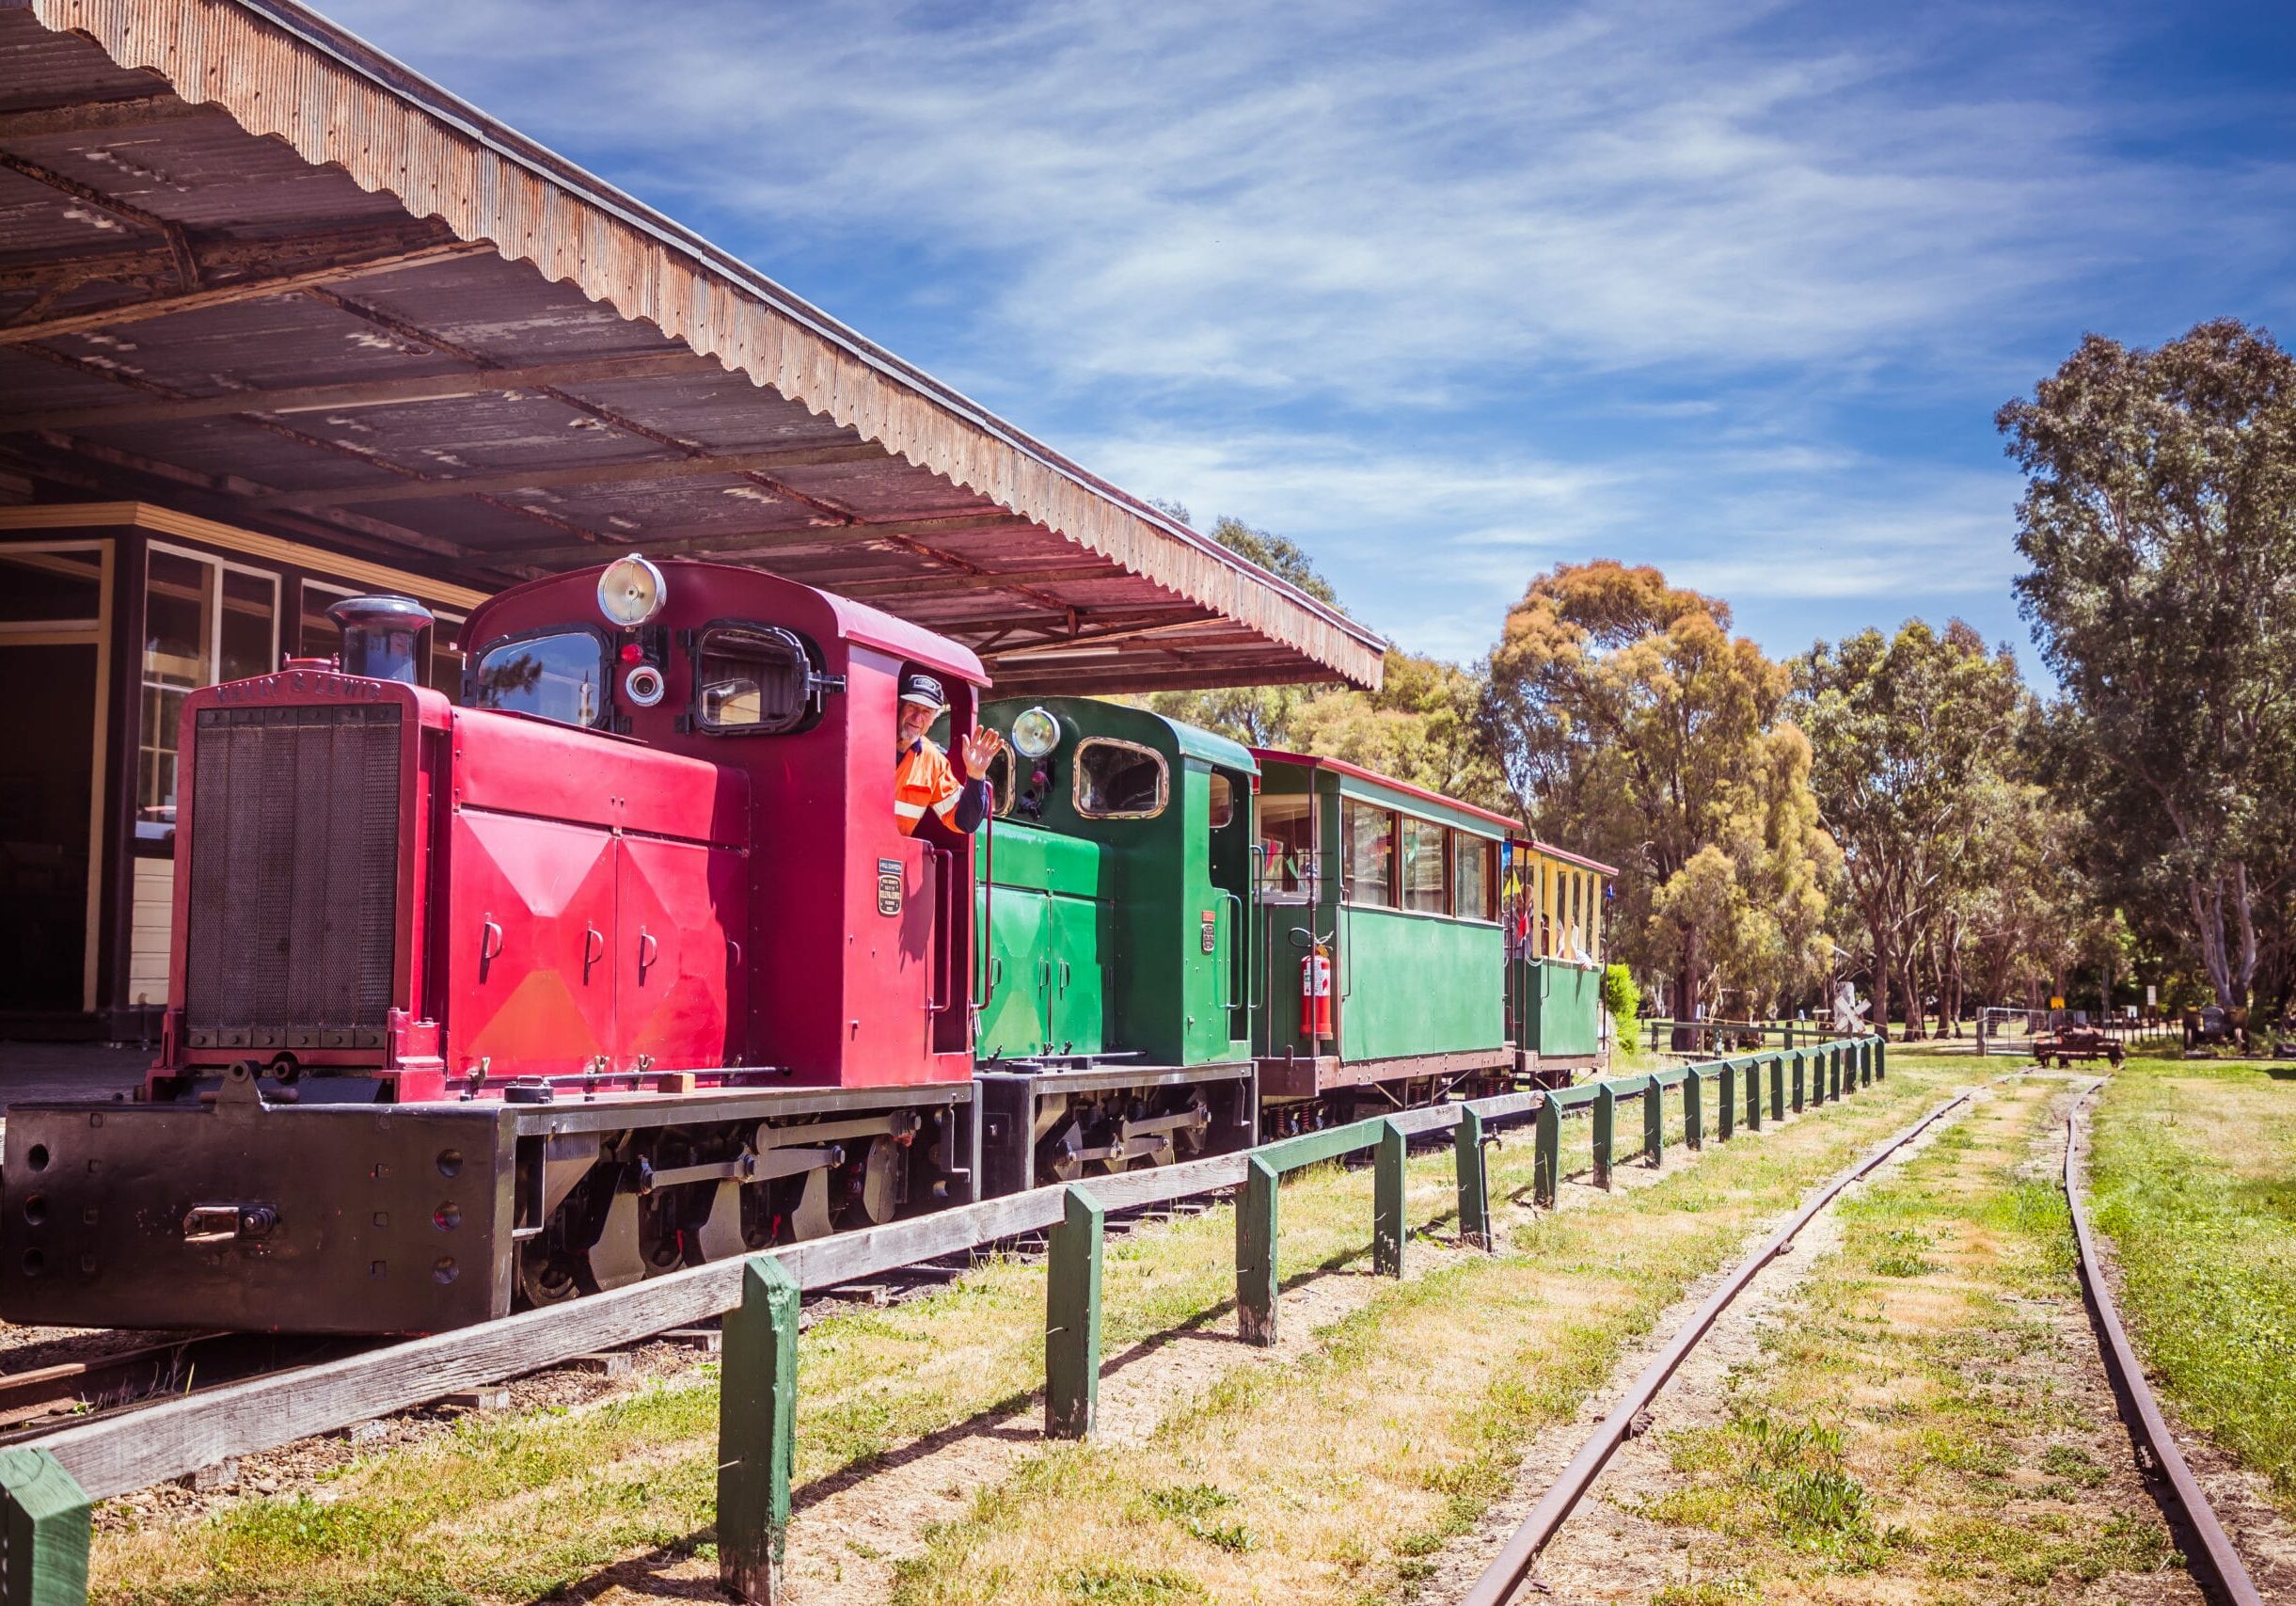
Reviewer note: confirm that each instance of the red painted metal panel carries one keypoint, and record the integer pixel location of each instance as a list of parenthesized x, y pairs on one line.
[(678, 972), (531, 944), (524, 765)]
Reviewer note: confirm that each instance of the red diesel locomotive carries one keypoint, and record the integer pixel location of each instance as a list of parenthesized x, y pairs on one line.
[(624, 964)]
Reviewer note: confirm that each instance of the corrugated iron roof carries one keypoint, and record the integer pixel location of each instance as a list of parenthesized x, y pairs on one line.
[(357, 305)]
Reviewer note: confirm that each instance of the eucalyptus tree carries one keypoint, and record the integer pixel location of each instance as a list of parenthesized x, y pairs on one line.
[(2160, 520), (1909, 732), (1631, 723)]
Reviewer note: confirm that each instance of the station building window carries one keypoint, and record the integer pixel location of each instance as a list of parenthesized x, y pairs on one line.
[(1119, 780), (51, 588), (1425, 886), (1366, 863), (205, 620)]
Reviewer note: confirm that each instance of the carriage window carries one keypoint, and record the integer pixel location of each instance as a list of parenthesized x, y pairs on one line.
[(557, 676), (1472, 881), (1367, 867), (752, 681), (1115, 780), (1223, 801), (1424, 887), (1287, 848)]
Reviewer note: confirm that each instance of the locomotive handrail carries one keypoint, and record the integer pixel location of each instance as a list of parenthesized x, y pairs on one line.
[(46, 1487)]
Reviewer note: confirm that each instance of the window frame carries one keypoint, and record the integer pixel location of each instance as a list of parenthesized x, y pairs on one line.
[(1076, 779), (1413, 827), (156, 737), (1349, 882), (809, 656), (472, 660), (1212, 786), (1488, 848)]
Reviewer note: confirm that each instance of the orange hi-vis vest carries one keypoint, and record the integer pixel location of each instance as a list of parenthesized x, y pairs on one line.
[(923, 780)]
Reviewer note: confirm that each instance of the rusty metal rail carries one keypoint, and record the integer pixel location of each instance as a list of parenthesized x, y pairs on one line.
[(1512, 1568), (2145, 1424)]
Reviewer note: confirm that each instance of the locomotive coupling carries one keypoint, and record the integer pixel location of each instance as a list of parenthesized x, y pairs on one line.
[(227, 1223)]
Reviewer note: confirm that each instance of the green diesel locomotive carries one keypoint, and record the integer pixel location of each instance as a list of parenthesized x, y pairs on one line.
[(1190, 945)]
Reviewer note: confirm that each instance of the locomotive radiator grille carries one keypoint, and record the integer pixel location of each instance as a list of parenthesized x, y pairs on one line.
[(294, 865)]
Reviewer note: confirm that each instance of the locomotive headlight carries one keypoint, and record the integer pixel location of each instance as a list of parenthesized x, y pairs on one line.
[(631, 591), (1036, 733)]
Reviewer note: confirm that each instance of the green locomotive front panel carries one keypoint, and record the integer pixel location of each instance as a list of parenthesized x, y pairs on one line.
[(1114, 982)]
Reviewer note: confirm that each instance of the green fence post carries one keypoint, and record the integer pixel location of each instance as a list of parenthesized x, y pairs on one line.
[(1073, 1317), (1778, 1085), (1256, 1271), (1653, 1122), (1833, 1090), (1788, 1043), (1881, 1057), (1754, 1093), (43, 1532), (1388, 1203), (757, 1430), (1605, 1128), (1727, 1106), (1693, 1114), (1801, 1066), (1474, 1179), (1546, 1155)]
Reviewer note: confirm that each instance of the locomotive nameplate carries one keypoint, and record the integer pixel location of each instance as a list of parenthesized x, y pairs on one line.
[(889, 886), (1211, 929)]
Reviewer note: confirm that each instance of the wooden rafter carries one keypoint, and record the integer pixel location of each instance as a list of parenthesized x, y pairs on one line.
[(99, 117), (583, 474)]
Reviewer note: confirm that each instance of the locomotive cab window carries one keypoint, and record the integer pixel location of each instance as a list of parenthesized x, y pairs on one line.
[(558, 676), (999, 782), (1223, 808), (1119, 780), (751, 680)]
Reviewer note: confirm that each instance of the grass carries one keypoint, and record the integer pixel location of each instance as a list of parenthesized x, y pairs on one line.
[(1351, 1466), (2193, 1180), (1914, 1428)]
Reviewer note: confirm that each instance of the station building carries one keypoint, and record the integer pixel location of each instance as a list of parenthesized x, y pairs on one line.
[(282, 323)]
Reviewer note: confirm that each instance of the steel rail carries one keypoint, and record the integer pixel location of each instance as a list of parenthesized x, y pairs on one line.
[(1512, 1568), (2146, 1425)]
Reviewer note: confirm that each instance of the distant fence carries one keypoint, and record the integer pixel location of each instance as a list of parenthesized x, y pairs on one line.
[(46, 1487), (1712, 1035)]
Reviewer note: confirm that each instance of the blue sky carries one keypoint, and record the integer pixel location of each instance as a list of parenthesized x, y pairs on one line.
[(1452, 292)]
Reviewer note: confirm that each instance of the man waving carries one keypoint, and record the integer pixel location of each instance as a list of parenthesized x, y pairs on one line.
[(922, 778)]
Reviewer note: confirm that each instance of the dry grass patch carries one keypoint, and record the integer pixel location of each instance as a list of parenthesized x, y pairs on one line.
[(1335, 1478)]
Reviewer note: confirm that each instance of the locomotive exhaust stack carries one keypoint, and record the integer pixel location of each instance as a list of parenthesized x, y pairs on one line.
[(384, 638)]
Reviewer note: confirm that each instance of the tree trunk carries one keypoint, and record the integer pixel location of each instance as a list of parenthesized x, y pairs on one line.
[(1881, 982)]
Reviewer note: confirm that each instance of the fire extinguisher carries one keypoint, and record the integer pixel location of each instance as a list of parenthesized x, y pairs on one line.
[(1315, 993)]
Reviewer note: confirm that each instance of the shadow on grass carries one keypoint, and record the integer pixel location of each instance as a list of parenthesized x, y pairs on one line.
[(649, 1572)]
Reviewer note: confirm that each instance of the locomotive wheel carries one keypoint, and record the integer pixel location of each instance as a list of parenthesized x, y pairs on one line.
[(546, 1276)]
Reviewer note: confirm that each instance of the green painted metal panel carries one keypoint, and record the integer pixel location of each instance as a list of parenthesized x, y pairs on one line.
[(1077, 1000), (1418, 984), (1013, 1021), (1561, 1006), (1166, 968)]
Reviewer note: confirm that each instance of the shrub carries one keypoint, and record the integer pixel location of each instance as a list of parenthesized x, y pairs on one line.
[(1623, 998)]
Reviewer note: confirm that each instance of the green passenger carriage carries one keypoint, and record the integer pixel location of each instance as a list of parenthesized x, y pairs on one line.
[(1157, 902)]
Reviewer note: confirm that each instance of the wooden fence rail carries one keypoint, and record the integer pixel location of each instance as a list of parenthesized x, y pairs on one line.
[(46, 1487)]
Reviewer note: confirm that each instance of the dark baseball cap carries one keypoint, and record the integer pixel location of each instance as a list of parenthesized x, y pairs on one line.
[(922, 689)]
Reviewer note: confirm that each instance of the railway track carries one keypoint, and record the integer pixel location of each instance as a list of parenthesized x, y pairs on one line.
[(1510, 1573)]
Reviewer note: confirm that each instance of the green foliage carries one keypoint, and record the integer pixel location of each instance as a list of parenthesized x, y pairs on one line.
[(1636, 727), (1623, 999), (2159, 519)]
